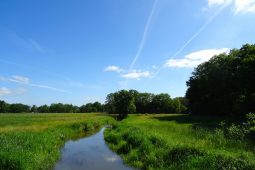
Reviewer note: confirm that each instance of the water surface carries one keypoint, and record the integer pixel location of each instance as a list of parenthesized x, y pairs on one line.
[(89, 153)]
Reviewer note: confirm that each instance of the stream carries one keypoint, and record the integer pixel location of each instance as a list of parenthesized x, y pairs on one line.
[(89, 153)]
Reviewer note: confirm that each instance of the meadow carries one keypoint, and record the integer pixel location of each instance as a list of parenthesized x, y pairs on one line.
[(33, 141), (161, 141)]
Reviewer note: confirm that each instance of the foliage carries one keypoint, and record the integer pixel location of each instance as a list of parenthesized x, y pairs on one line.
[(224, 85), (121, 102), (134, 102), (242, 131), (178, 142), (92, 107), (53, 108)]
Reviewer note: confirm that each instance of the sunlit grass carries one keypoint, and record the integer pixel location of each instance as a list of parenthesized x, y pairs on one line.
[(33, 141), (186, 142)]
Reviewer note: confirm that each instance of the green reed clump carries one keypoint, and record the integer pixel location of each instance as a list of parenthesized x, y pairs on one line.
[(148, 143)]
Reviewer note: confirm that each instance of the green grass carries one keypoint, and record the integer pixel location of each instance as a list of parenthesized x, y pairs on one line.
[(33, 141), (178, 142)]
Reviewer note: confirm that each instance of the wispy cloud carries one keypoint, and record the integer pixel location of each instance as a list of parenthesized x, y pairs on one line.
[(238, 6), (144, 37), (26, 81), (114, 69), (217, 2), (19, 79), (27, 43), (48, 87), (195, 58), (134, 74), (4, 91), (37, 46)]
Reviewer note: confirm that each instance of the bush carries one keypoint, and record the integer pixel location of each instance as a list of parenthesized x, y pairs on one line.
[(242, 131)]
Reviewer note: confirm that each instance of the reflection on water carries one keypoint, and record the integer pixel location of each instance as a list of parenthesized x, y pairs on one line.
[(89, 153)]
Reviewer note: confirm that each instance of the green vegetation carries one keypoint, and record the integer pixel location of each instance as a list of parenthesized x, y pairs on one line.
[(53, 108), (163, 141), (224, 85), (33, 141), (125, 102)]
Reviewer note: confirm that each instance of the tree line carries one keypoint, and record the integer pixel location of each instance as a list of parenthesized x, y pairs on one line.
[(126, 102), (225, 85), (122, 102), (53, 108)]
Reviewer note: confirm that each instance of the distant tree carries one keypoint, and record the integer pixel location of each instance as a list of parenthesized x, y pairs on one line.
[(162, 103), (176, 105), (122, 103), (57, 108), (184, 104), (3, 107), (19, 108), (143, 102), (34, 109), (92, 107), (110, 105), (43, 109)]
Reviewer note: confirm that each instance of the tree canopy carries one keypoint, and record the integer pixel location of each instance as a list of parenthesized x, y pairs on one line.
[(126, 102), (225, 85)]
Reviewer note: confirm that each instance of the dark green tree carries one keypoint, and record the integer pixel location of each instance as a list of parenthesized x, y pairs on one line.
[(162, 103), (34, 109), (43, 109), (19, 108), (3, 106), (122, 103), (225, 85)]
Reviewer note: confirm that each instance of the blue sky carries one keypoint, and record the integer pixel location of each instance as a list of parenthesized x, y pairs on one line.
[(79, 51)]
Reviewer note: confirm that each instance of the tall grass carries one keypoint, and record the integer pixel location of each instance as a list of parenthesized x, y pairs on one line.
[(33, 141), (178, 142)]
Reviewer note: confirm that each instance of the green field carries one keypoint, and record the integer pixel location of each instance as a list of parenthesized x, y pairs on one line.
[(178, 142), (155, 141), (33, 141)]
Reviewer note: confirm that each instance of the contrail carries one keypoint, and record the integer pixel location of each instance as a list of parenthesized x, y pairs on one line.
[(49, 87), (199, 31), (144, 37), (195, 35)]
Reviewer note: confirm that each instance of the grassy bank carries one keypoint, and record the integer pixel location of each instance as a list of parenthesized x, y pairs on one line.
[(33, 141), (178, 142)]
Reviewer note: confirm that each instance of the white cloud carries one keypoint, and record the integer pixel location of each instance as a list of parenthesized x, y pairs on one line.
[(6, 91), (195, 58), (114, 69), (26, 81), (238, 6), (244, 6), (19, 79), (216, 2), (134, 74)]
